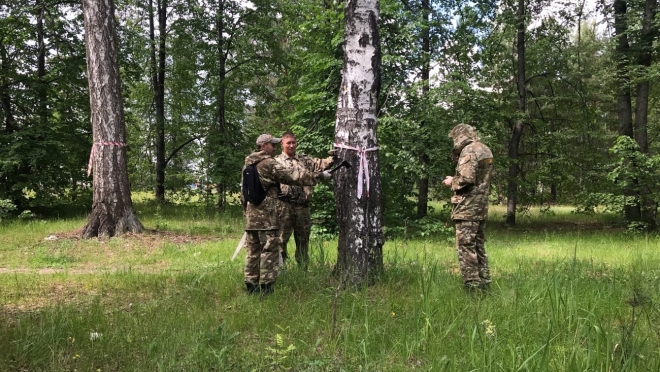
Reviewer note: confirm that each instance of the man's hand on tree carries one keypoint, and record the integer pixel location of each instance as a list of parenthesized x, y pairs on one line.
[(325, 176)]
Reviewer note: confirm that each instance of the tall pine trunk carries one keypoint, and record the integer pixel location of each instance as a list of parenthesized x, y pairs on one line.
[(112, 209), (647, 206), (517, 130), (423, 183), (222, 94), (158, 86), (623, 101), (9, 178), (42, 93), (361, 238), (5, 98)]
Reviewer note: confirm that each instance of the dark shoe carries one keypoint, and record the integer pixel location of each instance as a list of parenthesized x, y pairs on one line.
[(267, 288), (472, 286), (252, 288)]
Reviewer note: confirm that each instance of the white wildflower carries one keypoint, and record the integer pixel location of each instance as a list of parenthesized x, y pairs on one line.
[(95, 335)]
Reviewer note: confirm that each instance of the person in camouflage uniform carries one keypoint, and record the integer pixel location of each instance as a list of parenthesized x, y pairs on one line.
[(295, 214), (471, 186), (263, 243)]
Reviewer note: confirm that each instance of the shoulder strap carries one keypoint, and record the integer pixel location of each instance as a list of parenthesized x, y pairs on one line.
[(255, 167)]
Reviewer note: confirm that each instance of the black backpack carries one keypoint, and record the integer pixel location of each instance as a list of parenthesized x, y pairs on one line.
[(252, 189)]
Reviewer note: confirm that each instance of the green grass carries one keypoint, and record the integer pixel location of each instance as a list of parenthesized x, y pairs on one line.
[(570, 293)]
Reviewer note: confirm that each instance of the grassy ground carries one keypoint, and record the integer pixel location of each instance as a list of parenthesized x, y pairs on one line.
[(570, 293)]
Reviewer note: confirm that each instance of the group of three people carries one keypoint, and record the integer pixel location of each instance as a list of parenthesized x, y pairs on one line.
[(288, 180)]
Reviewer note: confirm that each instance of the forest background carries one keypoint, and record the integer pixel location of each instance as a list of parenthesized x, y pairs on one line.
[(562, 92), (201, 79)]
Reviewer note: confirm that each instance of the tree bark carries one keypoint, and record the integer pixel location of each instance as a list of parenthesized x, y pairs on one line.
[(423, 183), (361, 238), (632, 211), (222, 67), (158, 84), (647, 205), (222, 92), (517, 130), (5, 98), (42, 94), (112, 209), (11, 176)]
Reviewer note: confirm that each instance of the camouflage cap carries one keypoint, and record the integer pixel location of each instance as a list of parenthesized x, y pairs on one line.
[(267, 138)]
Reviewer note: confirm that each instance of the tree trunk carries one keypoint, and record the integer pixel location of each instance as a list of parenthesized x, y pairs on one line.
[(222, 91), (647, 205), (41, 65), (516, 133), (624, 105), (10, 176), (623, 102), (423, 183), (222, 68), (112, 209), (5, 98), (158, 83), (553, 193), (361, 238)]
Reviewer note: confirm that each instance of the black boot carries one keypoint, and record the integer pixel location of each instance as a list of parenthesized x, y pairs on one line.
[(267, 288), (252, 288), (471, 286)]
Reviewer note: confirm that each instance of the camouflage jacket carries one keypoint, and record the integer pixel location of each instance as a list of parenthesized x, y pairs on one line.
[(471, 184), (296, 194), (265, 215)]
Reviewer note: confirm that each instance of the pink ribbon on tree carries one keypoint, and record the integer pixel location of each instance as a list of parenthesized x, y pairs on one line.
[(92, 154), (363, 172)]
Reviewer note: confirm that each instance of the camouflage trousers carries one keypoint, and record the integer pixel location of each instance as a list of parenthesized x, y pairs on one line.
[(472, 257), (262, 262), (295, 219)]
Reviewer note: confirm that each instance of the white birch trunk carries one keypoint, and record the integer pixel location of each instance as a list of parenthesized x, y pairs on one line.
[(361, 239)]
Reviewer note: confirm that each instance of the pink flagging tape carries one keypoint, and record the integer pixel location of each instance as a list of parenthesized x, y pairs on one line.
[(363, 171), (92, 154)]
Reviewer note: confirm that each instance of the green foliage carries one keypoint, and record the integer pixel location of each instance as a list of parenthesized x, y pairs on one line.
[(45, 126), (632, 171), (6, 206), (279, 353), (428, 227), (634, 168), (276, 65), (26, 215)]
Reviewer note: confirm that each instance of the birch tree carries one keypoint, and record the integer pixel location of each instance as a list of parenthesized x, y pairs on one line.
[(358, 193), (112, 209)]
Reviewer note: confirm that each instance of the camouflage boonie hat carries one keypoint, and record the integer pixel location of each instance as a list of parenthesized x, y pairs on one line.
[(463, 130), (267, 138)]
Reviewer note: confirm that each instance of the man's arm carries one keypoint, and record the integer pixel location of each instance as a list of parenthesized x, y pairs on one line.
[(296, 177), (316, 164), (466, 172)]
